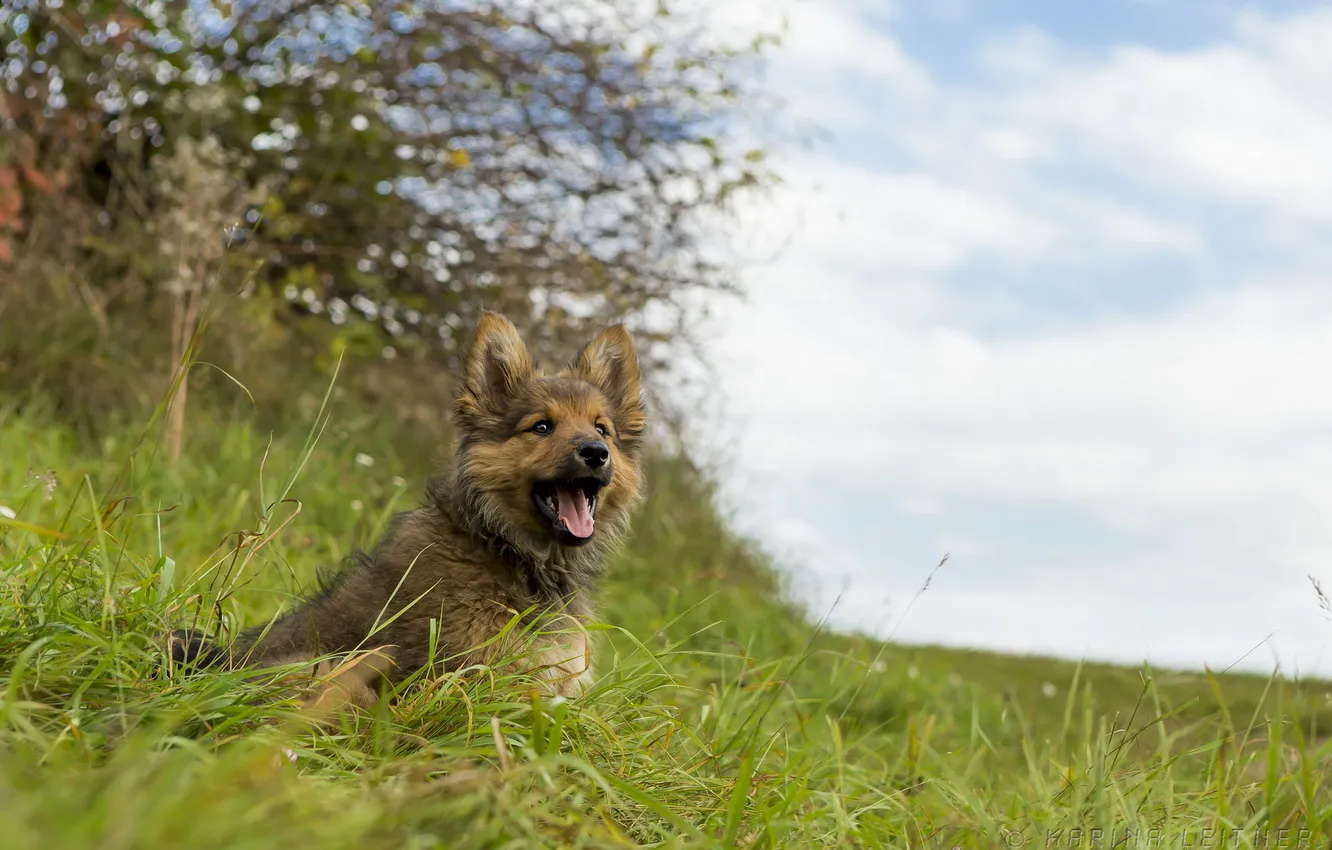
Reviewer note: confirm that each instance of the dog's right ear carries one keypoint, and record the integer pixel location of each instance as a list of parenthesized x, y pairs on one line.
[(497, 365)]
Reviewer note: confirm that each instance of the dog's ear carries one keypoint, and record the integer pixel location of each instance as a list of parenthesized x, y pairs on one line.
[(497, 365), (610, 364)]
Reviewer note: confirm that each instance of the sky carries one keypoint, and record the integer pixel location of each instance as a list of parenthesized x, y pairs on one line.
[(1051, 293)]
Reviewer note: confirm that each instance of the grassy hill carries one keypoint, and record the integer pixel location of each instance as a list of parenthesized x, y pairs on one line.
[(722, 717)]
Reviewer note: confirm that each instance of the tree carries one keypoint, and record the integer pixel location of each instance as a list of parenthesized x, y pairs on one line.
[(558, 162)]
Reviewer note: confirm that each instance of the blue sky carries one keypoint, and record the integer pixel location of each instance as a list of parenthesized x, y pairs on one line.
[(944, 34), (1055, 297)]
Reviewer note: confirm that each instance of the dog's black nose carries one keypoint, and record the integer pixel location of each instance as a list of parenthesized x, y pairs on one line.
[(594, 453)]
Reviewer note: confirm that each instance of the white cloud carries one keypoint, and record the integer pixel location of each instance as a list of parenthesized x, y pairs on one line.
[(1247, 121), (876, 365), (882, 224), (825, 39), (824, 48), (1022, 51), (905, 221)]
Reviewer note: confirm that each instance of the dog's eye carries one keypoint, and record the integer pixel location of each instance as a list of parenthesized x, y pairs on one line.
[(544, 427), (601, 429)]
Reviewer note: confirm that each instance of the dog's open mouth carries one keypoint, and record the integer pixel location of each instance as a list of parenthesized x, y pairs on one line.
[(571, 506)]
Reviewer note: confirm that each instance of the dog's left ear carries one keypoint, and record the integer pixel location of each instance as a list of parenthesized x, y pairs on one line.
[(610, 364)]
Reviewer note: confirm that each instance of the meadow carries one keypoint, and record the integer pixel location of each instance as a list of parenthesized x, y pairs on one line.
[(724, 714), (299, 202)]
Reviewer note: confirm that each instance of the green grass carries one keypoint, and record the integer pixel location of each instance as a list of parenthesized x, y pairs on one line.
[(723, 716)]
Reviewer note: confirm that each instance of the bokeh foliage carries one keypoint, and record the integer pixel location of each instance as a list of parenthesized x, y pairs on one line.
[(414, 161)]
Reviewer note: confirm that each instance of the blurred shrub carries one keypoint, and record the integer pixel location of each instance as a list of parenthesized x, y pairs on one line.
[(394, 167)]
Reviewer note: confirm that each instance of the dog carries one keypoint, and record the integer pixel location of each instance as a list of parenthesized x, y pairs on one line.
[(545, 476)]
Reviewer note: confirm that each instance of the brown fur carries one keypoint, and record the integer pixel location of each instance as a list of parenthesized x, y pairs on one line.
[(478, 552)]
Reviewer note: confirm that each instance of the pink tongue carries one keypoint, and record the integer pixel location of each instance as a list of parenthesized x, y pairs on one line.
[(572, 507)]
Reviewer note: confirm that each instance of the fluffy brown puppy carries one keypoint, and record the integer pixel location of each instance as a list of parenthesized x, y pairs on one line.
[(545, 475)]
